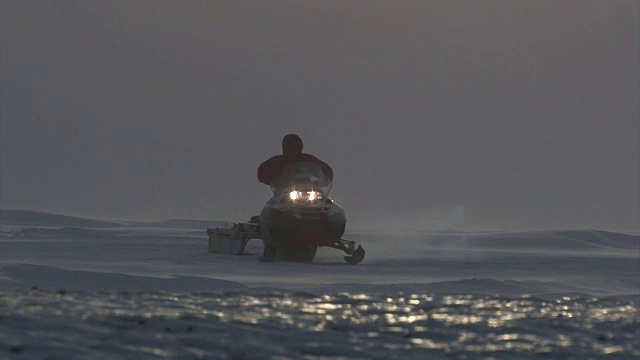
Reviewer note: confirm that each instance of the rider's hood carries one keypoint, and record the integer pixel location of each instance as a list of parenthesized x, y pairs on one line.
[(292, 145)]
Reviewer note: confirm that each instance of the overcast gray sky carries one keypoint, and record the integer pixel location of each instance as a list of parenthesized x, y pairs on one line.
[(498, 115)]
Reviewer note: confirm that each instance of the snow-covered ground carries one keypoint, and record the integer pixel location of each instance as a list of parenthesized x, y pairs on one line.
[(78, 288)]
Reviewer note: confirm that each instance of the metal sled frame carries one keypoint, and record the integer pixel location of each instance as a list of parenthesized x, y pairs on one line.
[(250, 230)]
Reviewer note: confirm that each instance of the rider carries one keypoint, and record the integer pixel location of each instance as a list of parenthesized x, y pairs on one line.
[(291, 153), (275, 236)]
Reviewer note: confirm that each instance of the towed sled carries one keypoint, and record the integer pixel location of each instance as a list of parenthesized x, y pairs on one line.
[(298, 219)]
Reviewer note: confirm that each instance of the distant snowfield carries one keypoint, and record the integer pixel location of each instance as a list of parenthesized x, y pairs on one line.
[(64, 262), (56, 252)]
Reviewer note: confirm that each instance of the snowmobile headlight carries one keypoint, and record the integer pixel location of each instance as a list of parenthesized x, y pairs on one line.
[(305, 195)]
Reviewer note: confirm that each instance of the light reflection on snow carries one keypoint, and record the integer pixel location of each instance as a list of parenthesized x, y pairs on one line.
[(299, 325)]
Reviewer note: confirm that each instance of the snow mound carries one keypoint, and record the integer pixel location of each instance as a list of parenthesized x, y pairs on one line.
[(56, 278), (26, 218), (188, 224), (75, 288), (173, 255)]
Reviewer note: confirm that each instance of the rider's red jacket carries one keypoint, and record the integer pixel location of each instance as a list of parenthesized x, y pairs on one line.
[(292, 153), (274, 166)]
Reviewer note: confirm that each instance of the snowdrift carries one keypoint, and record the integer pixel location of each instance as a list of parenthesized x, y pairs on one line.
[(51, 251), (85, 289)]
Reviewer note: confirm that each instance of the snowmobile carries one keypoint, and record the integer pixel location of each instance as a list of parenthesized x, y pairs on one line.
[(299, 218)]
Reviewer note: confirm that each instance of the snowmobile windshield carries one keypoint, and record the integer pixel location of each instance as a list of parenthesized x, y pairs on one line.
[(302, 176)]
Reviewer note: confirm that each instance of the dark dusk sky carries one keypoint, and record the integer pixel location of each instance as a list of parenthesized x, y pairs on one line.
[(465, 115)]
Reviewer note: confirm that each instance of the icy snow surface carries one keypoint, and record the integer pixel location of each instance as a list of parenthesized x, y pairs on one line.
[(75, 288)]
